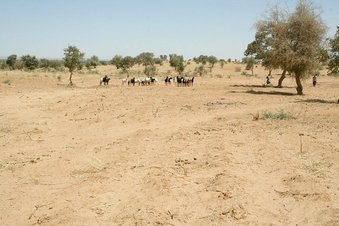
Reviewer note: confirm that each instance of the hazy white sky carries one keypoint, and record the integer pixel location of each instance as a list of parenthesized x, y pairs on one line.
[(222, 28)]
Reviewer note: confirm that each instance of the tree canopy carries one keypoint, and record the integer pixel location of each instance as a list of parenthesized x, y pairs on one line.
[(177, 62), (333, 65), (72, 60), (290, 41), (11, 60), (123, 63), (30, 62)]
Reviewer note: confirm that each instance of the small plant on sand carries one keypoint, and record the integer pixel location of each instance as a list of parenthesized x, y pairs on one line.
[(281, 115), (8, 82), (244, 73), (200, 70)]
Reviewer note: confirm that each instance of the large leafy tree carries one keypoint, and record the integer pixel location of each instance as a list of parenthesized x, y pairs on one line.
[(333, 65), (123, 63), (72, 59), (92, 62), (145, 59), (212, 60), (11, 60), (267, 46), (292, 42), (30, 62), (250, 62), (202, 59), (305, 35), (177, 62), (116, 61)]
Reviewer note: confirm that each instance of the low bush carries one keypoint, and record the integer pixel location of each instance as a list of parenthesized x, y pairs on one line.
[(281, 115)]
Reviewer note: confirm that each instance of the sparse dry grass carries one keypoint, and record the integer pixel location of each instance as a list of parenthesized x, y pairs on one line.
[(166, 154)]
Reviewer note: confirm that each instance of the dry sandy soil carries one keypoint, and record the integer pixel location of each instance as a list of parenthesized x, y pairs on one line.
[(167, 155)]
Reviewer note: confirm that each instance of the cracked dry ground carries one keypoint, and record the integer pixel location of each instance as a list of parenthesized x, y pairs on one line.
[(166, 155)]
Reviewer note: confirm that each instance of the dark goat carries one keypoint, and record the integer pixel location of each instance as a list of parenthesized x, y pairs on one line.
[(180, 80), (168, 80), (189, 81), (105, 79), (131, 81)]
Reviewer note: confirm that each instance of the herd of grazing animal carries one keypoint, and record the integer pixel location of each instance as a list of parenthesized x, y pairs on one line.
[(146, 81)]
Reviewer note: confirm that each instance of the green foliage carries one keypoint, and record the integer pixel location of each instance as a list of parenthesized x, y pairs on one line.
[(291, 41), (200, 70), (72, 59), (92, 62), (163, 57), (177, 62), (56, 64), (158, 61), (212, 60), (281, 115), (116, 61), (3, 65), (333, 65), (104, 62), (145, 59), (150, 70), (11, 61), (250, 62), (7, 82), (244, 73), (19, 64), (202, 59), (123, 63), (30, 62), (126, 63)]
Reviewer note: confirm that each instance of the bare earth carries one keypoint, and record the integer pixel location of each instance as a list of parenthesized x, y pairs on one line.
[(167, 155)]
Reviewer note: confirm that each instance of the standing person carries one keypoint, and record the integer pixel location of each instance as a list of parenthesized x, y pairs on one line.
[(314, 80), (268, 80)]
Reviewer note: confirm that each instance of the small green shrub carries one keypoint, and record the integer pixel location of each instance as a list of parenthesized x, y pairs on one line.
[(281, 115), (244, 73), (8, 82), (334, 74)]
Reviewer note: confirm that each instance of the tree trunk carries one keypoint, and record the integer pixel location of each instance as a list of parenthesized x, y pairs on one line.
[(281, 79), (70, 78), (252, 70), (299, 85)]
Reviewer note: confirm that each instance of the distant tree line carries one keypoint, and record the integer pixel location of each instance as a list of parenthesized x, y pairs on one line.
[(28, 62)]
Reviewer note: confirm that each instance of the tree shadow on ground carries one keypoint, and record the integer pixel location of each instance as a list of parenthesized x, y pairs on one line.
[(261, 86), (251, 86), (321, 101), (270, 93)]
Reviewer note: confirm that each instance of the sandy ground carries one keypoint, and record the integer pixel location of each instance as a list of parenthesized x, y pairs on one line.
[(167, 155)]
